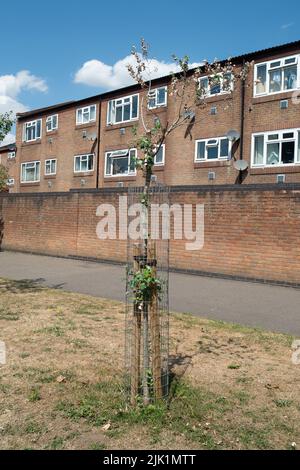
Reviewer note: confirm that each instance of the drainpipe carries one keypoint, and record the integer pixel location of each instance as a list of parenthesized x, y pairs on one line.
[(98, 146), (242, 123)]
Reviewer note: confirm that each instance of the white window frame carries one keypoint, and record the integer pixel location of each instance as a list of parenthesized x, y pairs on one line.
[(11, 155), (85, 109), (296, 138), (219, 158), (82, 156), (35, 165), (50, 160), (163, 147), (155, 97), (112, 105), (50, 120), (120, 151), (222, 92), (31, 124), (269, 68)]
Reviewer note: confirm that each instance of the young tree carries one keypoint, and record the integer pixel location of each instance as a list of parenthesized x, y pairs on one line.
[(187, 93), (6, 123)]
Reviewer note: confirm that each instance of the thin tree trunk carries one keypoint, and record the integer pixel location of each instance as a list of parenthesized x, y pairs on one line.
[(136, 346), (155, 330)]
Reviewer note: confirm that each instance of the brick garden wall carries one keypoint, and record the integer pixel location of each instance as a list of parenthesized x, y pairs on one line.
[(250, 231)]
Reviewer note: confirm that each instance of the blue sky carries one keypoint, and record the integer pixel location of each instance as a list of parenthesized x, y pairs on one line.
[(53, 40)]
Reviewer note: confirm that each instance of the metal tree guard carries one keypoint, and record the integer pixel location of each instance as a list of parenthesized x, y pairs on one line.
[(147, 318)]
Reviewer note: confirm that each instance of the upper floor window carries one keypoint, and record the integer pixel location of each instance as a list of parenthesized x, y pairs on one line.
[(50, 166), (157, 97), (216, 85), (30, 172), (123, 109), (83, 163), (212, 149), (32, 130), (120, 162), (10, 182), (276, 148), (52, 123), (159, 158), (276, 76), (86, 115), (11, 155)]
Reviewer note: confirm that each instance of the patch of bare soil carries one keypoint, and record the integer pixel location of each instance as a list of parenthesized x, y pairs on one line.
[(61, 388)]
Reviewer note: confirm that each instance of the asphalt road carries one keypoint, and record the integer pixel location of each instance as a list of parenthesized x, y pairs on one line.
[(258, 305)]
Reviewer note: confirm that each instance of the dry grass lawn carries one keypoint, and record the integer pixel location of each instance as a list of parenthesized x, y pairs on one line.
[(233, 387)]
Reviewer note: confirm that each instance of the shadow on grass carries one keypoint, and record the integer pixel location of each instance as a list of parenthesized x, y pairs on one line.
[(178, 365), (26, 285), (23, 285)]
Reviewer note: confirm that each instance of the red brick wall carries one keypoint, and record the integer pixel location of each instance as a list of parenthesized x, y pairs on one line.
[(250, 231)]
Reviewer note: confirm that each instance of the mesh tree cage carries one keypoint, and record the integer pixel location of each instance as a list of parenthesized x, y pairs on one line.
[(147, 297)]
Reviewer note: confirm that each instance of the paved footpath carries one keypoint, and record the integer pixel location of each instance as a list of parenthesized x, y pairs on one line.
[(257, 305)]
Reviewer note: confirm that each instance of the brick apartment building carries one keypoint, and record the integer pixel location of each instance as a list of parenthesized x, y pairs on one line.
[(88, 143), (8, 159)]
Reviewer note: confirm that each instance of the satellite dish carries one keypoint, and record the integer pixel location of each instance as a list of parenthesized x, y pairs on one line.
[(93, 136), (233, 135), (240, 165)]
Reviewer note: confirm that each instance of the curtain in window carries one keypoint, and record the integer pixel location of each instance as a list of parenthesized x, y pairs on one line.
[(275, 80), (200, 150), (261, 79), (259, 150), (272, 154), (290, 78)]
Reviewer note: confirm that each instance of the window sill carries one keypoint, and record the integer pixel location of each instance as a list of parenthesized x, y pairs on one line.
[(283, 95), (275, 170), (36, 183), (222, 97), (88, 124), (158, 110), (119, 177), (207, 164), (82, 174), (49, 177), (111, 127), (51, 133), (83, 126), (34, 142)]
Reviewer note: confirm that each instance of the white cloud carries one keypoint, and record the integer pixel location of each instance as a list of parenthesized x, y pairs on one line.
[(98, 74), (286, 26), (10, 88), (9, 139)]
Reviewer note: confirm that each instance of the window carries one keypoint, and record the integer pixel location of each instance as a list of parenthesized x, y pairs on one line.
[(50, 166), (276, 148), (159, 158), (83, 163), (217, 85), (86, 115), (32, 130), (11, 155), (120, 162), (52, 123), (157, 97), (123, 109), (212, 149), (30, 172), (276, 76), (10, 182)]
